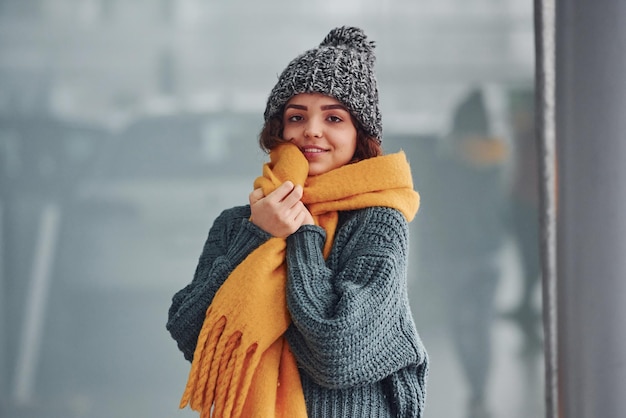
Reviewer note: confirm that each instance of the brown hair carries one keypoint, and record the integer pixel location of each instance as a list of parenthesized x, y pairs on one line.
[(366, 145)]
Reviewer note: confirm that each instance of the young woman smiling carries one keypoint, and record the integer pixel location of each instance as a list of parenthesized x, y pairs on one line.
[(299, 306), (322, 128)]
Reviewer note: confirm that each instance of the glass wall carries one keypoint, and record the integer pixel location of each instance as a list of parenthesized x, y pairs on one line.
[(127, 126)]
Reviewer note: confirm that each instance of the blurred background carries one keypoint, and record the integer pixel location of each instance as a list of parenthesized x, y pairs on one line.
[(127, 126)]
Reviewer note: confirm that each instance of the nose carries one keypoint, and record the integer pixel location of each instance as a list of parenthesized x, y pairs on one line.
[(312, 129)]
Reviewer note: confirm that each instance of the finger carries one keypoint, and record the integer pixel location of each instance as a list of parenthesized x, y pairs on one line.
[(281, 192), (308, 219), (302, 217), (299, 220), (294, 197), (255, 196)]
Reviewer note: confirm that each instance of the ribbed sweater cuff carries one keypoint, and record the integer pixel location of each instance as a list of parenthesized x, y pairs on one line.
[(249, 238), (307, 290), (307, 244)]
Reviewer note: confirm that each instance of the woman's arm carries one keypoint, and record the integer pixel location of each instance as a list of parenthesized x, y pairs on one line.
[(352, 324), (231, 238)]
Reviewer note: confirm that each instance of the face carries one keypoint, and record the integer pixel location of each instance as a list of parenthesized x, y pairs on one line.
[(323, 130)]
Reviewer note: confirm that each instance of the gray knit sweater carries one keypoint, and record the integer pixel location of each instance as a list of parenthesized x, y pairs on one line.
[(352, 332)]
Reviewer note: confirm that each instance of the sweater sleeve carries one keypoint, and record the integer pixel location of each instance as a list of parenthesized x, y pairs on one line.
[(351, 318), (231, 238)]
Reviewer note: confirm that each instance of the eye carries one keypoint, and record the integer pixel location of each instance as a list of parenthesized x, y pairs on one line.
[(294, 118), (334, 118)]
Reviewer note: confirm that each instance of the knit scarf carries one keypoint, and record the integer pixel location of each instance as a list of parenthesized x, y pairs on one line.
[(242, 365)]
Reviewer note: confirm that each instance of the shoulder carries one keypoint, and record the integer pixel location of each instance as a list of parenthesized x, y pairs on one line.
[(374, 217), (229, 221), (234, 214), (372, 229)]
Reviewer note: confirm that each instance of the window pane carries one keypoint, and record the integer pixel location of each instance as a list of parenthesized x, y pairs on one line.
[(128, 126)]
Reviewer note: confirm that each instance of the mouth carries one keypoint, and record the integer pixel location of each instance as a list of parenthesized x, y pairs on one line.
[(312, 150)]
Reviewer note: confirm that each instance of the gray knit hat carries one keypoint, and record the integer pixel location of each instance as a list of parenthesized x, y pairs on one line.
[(342, 66)]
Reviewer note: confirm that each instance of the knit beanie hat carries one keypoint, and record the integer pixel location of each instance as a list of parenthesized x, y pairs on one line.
[(342, 66)]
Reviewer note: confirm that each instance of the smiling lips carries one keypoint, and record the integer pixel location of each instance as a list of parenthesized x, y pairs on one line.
[(311, 152)]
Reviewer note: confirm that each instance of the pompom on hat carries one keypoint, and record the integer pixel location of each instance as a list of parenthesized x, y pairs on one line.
[(342, 66)]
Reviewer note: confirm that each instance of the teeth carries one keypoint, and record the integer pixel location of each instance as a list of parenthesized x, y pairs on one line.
[(313, 150)]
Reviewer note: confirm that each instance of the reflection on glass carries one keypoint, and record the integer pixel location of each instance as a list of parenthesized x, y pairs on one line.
[(138, 123)]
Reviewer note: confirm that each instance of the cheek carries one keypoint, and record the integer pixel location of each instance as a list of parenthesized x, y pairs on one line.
[(286, 135), (289, 133), (350, 145), (347, 149)]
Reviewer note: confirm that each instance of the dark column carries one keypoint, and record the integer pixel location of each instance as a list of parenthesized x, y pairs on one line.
[(591, 254)]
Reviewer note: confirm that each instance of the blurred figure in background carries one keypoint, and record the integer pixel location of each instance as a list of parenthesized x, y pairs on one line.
[(472, 207), (524, 221)]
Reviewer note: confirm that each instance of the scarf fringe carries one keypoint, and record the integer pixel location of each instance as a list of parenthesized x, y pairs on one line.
[(223, 376), (226, 357)]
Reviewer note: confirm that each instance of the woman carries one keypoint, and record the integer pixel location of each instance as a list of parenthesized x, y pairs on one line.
[(299, 304)]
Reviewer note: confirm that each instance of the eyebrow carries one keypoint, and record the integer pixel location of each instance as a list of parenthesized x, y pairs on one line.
[(334, 106), (324, 107)]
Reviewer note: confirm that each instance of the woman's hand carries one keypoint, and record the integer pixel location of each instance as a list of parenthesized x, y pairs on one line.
[(281, 212)]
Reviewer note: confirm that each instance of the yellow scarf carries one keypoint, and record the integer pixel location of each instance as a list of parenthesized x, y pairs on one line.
[(242, 365)]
